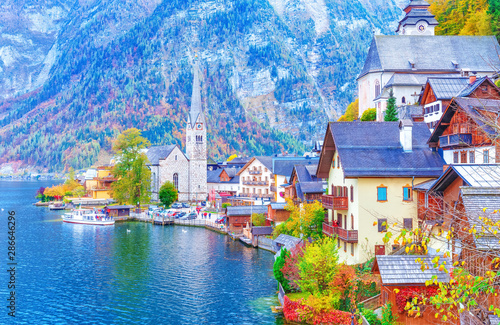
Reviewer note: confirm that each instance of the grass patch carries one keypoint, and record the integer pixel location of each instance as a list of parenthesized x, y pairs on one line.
[(298, 295)]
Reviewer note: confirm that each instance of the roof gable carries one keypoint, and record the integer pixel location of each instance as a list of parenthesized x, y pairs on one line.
[(475, 108), (157, 153), (432, 53)]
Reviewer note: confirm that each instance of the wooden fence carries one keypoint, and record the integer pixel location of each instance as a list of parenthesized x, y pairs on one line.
[(281, 295)]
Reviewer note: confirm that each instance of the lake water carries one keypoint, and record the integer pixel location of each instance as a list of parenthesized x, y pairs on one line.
[(80, 274)]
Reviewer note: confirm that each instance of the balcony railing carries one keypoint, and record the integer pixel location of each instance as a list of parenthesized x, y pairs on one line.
[(327, 201), (335, 202), (350, 236), (340, 202), (101, 188), (255, 172), (256, 183), (269, 196), (455, 140)]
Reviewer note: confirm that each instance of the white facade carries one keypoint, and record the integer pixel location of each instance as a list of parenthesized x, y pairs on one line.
[(478, 155), (255, 180)]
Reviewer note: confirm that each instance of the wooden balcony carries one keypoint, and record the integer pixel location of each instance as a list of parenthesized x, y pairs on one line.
[(255, 172), (335, 202), (459, 139), (327, 201), (350, 236)]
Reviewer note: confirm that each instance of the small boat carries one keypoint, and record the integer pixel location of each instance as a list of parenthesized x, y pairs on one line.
[(88, 217), (57, 206)]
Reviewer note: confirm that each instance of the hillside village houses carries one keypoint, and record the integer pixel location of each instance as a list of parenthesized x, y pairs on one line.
[(403, 62)]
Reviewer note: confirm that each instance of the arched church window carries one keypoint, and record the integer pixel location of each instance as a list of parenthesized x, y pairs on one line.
[(377, 88), (176, 181), (403, 100)]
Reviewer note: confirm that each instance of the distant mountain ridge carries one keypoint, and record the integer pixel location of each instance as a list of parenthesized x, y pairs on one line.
[(272, 73)]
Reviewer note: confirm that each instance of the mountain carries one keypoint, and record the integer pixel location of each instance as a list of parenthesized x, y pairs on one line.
[(73, 74)]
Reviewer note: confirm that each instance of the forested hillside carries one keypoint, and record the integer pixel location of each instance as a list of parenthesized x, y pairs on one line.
[(272, 72), (467, 17)]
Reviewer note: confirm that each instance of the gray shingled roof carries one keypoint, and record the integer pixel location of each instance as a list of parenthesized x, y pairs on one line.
[(245, 210), (447, 88), (432, 53), (213, 176), (156, 153), (411, 79), (403, 269), (409, 111), (278, 206), (288, 241), (424, 185), (475, 199), (266, 161), (373, 149), (261, 231), (469, 88), (285, 166)]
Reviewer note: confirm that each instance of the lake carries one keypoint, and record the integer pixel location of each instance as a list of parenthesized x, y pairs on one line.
[(82, 274)]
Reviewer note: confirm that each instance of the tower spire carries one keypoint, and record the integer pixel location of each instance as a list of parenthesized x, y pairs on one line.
[(195, 109)]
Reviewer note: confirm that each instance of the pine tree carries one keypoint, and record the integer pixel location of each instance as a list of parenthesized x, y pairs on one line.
[(391, 113)]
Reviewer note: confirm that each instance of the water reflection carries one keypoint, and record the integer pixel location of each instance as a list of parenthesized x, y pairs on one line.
[(83, 274)]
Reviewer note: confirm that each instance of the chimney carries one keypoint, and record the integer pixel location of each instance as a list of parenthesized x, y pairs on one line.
[(472, 78), (405, 134)]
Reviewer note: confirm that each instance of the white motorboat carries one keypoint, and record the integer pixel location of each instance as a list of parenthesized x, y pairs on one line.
[(88, 217)]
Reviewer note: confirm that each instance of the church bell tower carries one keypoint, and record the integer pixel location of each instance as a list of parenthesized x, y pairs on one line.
[(196, 143)]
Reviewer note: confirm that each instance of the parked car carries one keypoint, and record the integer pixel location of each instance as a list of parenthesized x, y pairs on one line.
[(190, 216), (185, 205), (176, 205), (180, 215)]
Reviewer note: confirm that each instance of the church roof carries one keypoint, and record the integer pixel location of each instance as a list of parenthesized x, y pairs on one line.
[(156, 153), (442, 54), (195, 109)]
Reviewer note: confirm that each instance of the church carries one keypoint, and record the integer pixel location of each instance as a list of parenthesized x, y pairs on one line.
[(187, 171), (403, 62)]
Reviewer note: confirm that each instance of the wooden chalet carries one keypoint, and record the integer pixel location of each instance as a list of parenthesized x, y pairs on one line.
[(404, 273), (304, 186), (276, 213), (467, 133), (117, 211)]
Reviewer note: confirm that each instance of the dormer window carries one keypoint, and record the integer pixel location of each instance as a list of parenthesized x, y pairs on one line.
[(412, 64), (455, 64)]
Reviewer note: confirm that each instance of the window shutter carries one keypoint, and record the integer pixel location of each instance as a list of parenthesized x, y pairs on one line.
[(408, 223), (352, 193), (379, 250), (382, 225)]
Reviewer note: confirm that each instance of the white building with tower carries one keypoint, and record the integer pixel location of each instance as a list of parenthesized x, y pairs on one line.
[(187, 171)]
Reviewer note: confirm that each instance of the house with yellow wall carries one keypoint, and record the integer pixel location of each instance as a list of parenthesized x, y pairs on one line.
[(98, 182), (371, 169)]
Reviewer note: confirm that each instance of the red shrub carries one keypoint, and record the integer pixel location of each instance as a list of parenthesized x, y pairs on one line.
[(295, 311)]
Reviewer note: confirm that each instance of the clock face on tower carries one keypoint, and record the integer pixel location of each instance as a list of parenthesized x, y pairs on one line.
[(421, 28), (199, 126)]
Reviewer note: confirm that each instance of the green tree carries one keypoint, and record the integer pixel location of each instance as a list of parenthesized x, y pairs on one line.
[(258, 219), (133, 176), (391, 113), (306, 220), (168, 194), (318, 266), (278, 265), (369, 115)]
